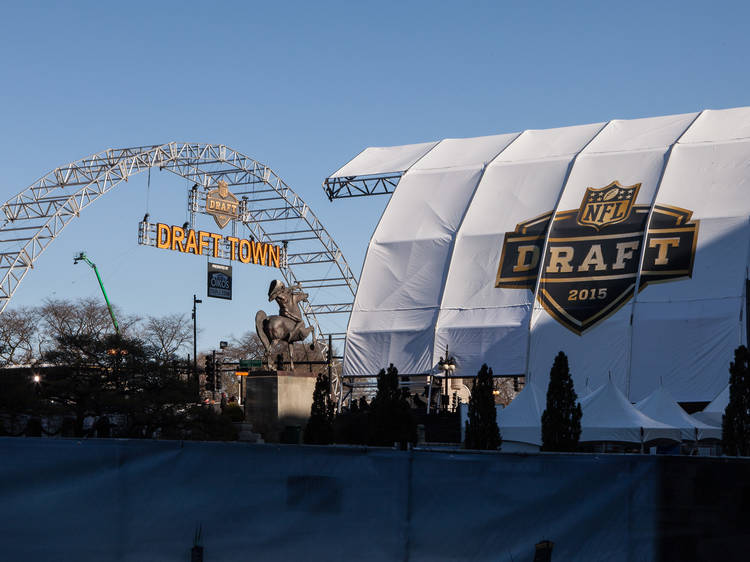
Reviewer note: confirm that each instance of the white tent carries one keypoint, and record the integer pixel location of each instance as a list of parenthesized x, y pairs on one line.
[(609, 417), (714, 412), (521, 420), (625, 244), (660, 406)]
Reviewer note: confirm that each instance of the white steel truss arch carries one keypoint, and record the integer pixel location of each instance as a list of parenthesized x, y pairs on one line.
[(33, 218)]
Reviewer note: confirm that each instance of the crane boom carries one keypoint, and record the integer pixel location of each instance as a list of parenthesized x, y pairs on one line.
[(82, 257)]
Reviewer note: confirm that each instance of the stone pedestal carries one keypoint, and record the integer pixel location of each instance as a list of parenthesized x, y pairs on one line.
[(275, 400), (246, 434)]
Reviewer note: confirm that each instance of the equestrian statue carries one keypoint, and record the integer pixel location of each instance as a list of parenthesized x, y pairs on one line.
[(288, 325)]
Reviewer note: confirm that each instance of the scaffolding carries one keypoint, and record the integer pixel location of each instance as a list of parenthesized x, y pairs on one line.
[(270, 210)]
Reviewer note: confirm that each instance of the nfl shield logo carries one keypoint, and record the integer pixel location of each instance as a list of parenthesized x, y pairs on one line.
[(221, 204), (607, 205)]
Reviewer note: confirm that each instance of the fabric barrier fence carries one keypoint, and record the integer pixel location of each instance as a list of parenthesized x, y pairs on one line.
[(143, 500)]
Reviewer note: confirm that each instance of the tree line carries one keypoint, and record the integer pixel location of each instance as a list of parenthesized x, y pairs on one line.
[(63, 366), (26, 333), (388, 419)]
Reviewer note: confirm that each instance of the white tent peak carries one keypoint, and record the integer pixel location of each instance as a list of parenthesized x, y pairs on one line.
[(720, 403), (608, 416), (521, 420), (714, 412), (661, 406)]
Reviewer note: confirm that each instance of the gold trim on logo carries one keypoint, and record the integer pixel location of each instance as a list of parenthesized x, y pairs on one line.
[(608, 205)]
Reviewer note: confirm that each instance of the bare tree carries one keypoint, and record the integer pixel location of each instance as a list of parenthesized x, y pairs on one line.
[(247, 346), (86, 317), (504, 391), (167, 334), (18, 333), (130, 324)]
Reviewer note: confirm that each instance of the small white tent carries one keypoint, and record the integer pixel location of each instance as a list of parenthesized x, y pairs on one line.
[(713, 413), (609, 417), (660, 406), (521, 421)]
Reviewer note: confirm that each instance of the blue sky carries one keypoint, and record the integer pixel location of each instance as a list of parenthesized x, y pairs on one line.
[(303, 87)]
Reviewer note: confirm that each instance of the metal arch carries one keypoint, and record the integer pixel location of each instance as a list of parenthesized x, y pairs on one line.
[(33, 218)]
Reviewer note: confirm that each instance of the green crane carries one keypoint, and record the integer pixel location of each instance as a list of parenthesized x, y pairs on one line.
[(82, 257)]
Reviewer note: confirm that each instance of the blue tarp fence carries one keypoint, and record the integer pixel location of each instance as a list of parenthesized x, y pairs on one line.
[(137, 500)]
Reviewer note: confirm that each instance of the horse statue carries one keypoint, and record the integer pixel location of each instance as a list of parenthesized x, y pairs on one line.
[(288, 325)]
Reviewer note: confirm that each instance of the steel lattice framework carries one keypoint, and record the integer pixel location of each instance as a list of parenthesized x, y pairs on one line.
[(361, 186), (270, 210)]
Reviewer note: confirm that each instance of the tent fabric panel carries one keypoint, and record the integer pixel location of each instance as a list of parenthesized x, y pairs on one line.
[(508, 194), (377, 339), (542, 144), (687, 346), (719, 266), (711, 180), (599, 354), (428, 204), (594, 170), (403, 275), (479, 255), (458, 153), (407, 260), (641, 134), (497, 337), (719, 126), (377, 160)]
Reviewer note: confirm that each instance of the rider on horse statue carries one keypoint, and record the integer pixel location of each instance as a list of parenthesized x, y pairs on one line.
[(288, 304), (288, 326)]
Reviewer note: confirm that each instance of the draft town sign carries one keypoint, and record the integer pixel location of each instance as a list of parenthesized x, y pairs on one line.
[(590, 266)]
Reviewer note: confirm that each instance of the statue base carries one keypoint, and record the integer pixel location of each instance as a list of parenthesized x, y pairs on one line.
[(277, 403)]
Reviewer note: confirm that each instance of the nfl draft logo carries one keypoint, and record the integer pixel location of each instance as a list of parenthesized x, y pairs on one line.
[(591, 264), (221, 204)]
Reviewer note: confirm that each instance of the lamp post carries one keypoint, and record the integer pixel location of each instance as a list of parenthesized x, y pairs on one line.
[(195, 344), (448, 366)]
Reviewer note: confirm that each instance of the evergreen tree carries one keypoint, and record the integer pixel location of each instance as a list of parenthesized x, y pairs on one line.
[(561, 420), (391, 420), (319, 429), (351, 426), (735, 425), (481, 429)]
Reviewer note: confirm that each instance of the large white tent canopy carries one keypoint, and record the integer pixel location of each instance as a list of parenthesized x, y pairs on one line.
[(510, 248)]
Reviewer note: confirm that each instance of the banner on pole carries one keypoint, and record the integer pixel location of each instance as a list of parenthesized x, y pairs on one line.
[(219, 281)]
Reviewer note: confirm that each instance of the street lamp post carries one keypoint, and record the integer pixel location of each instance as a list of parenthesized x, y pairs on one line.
[(195, 344), (448, 366)]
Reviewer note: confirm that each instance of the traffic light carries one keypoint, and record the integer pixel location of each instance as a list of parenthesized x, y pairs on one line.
[(210, 373)]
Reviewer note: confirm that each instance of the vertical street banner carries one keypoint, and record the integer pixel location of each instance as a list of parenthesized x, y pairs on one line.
[(219, 281)]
